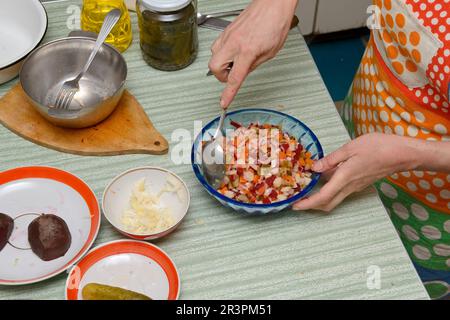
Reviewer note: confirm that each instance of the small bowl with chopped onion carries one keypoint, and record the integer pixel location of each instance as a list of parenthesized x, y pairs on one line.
[(146, 203), (258, 182)]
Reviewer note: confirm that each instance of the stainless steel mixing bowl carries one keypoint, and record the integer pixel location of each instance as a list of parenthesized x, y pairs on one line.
[(46, 69)]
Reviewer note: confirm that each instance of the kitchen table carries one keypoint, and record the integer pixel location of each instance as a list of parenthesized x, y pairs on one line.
[(221, 254)]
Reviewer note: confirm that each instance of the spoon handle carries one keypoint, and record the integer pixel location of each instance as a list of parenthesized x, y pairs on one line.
[(108, 24), (221, 122), (225, 14)]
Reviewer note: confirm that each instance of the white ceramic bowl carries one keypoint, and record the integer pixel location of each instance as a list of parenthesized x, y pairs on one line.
[(23, 24), (116, 198)]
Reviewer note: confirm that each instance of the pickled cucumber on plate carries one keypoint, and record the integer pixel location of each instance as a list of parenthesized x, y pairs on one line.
[(95, 291)]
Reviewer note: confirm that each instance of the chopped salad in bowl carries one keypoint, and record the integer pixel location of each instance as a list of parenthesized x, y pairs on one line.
[(268, 160)]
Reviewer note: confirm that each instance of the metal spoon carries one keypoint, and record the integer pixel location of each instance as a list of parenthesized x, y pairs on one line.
[(201, 18), (213, 156)]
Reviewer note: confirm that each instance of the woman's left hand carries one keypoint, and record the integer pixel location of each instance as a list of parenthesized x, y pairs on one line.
[(359, 164)]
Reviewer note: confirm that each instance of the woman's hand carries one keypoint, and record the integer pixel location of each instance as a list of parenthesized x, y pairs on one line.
[(360, 163), (253, 38)]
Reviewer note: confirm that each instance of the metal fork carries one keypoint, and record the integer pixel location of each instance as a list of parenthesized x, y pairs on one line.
[(71, 87), (203, 17)]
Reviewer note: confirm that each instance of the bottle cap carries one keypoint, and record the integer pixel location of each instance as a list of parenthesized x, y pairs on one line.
[(165, 5)]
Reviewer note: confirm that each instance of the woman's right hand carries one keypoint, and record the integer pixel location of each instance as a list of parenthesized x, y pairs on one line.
[(253, 38)]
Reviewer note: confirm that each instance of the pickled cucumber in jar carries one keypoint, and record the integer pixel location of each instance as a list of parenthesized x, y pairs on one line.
[(168, 33)]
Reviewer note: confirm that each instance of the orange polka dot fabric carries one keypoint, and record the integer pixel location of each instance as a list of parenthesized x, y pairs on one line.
[(435, 17), (402, 88), (412, 41), (402, 84), (381, 105)]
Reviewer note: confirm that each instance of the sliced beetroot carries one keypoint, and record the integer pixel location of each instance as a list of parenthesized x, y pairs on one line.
[(273, 195), (235, 124), (270, 180), (284, 147)]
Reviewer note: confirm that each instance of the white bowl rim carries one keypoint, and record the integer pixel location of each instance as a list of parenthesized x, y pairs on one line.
[(35, 44), (163, 232)]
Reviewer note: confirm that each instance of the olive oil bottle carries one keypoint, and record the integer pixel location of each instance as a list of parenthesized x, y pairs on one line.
[(93, 14)]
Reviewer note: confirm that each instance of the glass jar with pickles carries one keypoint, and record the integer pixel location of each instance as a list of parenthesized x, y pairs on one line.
[(168, 33)]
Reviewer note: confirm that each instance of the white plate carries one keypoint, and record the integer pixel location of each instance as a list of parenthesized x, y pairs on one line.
[(127, 264), (23, 24), (51, 191), (117, 195)]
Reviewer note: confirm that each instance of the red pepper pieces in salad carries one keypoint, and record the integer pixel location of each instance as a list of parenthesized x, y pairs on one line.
[(262, 181)]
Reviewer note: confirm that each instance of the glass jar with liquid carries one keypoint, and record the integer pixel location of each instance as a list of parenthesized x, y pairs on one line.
[(168, 33), (93, 14)]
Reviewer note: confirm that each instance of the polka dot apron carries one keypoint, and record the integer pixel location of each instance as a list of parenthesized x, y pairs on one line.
[(402, 88)]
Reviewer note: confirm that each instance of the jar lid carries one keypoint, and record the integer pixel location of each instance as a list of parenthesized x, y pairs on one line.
[(166, 5)]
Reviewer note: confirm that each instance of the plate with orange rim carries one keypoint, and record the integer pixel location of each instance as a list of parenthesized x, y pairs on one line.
[(28, 192), (128, 264)]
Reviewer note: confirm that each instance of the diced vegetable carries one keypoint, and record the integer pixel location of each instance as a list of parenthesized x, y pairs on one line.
[(253, 176)]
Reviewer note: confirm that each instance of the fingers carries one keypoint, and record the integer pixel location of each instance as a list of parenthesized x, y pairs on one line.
[(241, 68), (222, 55), (219, 63), (318, 204), (331, 194), (216, 45), (332, 160), (327, 175)]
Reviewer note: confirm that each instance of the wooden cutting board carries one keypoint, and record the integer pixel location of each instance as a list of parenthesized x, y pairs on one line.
[(127, 130)]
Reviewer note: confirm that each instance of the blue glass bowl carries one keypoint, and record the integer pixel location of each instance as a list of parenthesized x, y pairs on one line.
[(289, 124)]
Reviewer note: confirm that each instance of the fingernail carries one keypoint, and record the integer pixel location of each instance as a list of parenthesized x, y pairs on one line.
[(317, 166), (222, 103)]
